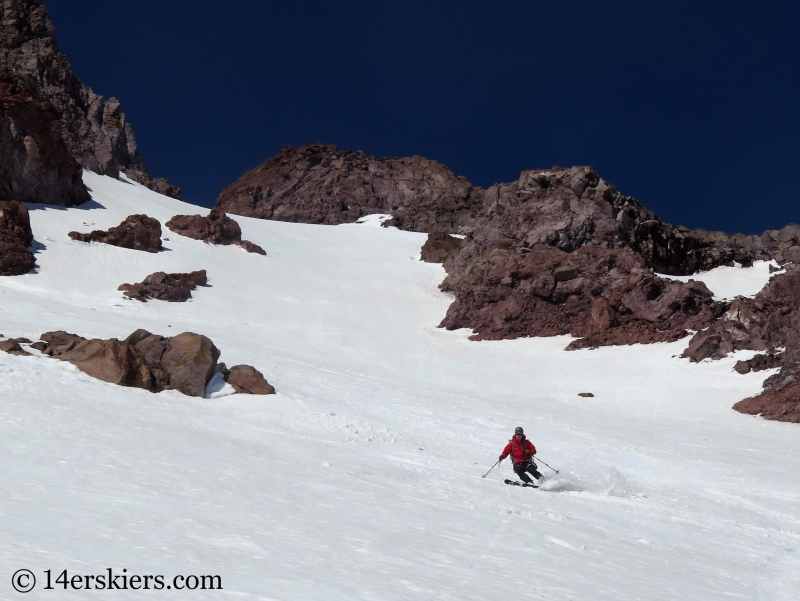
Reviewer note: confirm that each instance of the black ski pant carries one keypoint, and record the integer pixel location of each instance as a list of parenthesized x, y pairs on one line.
[(526, 467)]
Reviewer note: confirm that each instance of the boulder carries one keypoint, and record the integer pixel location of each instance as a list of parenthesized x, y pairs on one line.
[(248, 380), (15, 238), (184, 362), (137, 232), (170, 287), (215, 228)]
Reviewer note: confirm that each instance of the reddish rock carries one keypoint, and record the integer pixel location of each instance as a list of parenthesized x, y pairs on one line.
[(323, 184), (184, 362), (137, 232), (441, 247), (586, 395), (35, 163), (248, 380), (15, 238), (94, 130), (603, 316), (779, 403), (170, 287), (215, 228)]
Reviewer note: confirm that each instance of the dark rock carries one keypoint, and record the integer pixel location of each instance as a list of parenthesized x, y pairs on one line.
[(35, 163), (15, 237), (252, 247), (248, 380), (94, 130), (215, 228), (323, 184), (12, 346), (586, 394), (565, 274), (184, 362), (137, 232), (759, 362), (440, 247), (156, 184), (170, 287)]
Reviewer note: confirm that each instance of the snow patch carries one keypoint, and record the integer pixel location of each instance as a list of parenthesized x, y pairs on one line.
[(596, 479), (729, 282)]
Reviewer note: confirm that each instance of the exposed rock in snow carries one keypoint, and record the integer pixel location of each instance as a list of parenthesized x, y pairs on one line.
[(12, 346), (137, 232), (15, 237), (157, 184), (441, 247), (171, 287), (93, 128), (324, 184), (246, 379), (215, 228), (35, 163), (184, 362)]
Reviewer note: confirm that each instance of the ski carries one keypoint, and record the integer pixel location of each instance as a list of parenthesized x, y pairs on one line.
[(516, 483)]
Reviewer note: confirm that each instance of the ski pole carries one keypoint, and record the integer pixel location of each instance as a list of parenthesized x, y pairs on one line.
[(491, 468), (540, 461)]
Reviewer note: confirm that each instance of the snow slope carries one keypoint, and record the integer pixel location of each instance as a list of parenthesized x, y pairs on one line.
[(361, 478)]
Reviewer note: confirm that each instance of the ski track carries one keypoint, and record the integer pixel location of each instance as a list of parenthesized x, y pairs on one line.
[(361, 478)]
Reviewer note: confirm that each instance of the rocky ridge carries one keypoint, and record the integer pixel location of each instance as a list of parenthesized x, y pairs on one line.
[(323, 184), (94, 130)]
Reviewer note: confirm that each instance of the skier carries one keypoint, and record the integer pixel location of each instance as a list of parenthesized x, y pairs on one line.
[(522, 451)]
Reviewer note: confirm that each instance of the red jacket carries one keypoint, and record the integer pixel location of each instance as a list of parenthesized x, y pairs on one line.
[(520, 451)]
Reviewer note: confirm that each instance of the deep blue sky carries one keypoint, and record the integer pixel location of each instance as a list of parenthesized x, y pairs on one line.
[(692, 107)]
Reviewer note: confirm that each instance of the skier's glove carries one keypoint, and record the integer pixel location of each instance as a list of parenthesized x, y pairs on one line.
[(502, 457)]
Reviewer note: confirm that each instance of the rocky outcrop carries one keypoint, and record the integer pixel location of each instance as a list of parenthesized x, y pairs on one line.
[(157, 184), (561, 251), (777, 403), (769, 322), (441, 247), (184, 362), (170, 287), (323, 184), (246, 379), (94, 130), (215, 228), (15, 238), (35, 163), (137, 232)]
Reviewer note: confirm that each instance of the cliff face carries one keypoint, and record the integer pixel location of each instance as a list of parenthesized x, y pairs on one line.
[(323, 184), (35, 163), (94, 129)]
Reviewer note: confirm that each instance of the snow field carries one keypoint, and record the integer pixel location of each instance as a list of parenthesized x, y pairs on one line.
[(361, 478)]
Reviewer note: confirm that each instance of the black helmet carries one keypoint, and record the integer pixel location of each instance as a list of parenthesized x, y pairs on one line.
[(518, 430)]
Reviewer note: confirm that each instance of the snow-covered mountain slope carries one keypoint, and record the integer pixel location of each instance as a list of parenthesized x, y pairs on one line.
[(361, 478)]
